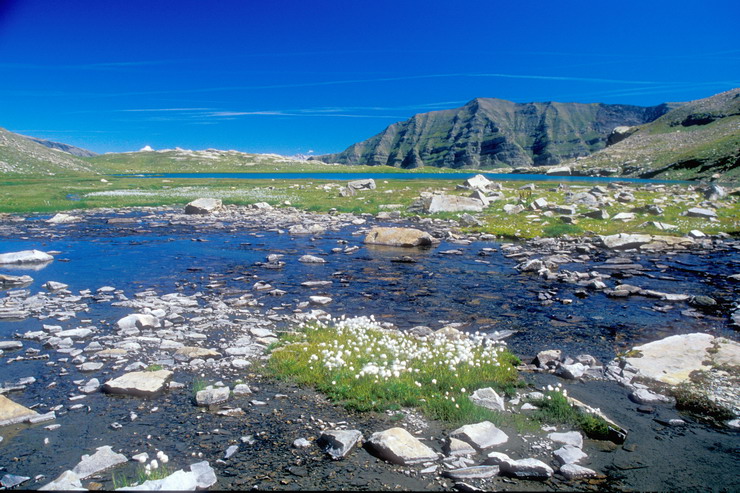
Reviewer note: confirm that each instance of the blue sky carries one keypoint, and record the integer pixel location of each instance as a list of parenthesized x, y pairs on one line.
[(318, 75)]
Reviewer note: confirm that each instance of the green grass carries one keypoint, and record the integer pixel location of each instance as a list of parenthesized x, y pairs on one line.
[(153, 368), (198, 385), (365, 368), (121, 480), (49, 194), (555, 409)]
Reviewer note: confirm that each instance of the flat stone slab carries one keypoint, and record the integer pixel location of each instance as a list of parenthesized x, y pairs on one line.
[(568, 454), (475, 472), (12, 412), (187, 353), (481, 435), (398, 446), (101, 460), (138, 383), (25, 257), (67, 481), (671, 360), (573, 438)]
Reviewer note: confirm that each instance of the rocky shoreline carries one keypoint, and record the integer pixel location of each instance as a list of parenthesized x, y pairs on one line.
[(161, 348)]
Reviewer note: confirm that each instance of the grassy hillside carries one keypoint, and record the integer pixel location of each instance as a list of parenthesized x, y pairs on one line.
[(696, 141), (20, 156)]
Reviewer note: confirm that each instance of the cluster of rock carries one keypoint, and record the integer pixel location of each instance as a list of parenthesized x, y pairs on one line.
[(467, 453)]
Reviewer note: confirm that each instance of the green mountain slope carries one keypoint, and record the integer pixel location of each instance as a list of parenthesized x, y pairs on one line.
[(698, 140), (491, 133), (22, 156)]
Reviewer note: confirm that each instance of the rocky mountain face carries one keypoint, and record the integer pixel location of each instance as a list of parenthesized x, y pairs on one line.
[(494, 133), (69, 149), (700, 139), (20, 155)]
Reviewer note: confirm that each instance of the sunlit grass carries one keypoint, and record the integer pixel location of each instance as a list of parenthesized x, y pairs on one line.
[(365, 367)]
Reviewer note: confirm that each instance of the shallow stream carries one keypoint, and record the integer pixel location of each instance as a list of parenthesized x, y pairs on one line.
[(478, 287)]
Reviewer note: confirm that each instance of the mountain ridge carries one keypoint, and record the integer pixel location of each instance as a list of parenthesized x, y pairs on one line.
[(60, 146), (489, 133)]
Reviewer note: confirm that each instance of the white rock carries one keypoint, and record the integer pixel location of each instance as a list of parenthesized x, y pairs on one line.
[(568, 454), (572, 438), (574, 471), (204, 206), (138, 321), (489, 399), (101, 460), (311, 259), (139, 383), (25, 257), (67, 481), (398, 446), (211, 397), (481, 435)]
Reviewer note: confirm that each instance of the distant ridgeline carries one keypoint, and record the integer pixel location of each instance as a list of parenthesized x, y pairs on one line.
[(494, 133)]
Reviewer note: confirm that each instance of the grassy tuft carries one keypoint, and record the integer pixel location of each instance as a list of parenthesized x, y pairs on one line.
[(198, 385), (365, 367), (555, 409)]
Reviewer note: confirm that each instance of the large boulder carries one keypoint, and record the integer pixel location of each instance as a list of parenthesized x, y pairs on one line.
[(204, 206), (138, 383), (25, 257), (366, 184), (450, 203), (478, 182), (400, 237), (624, 241), (398, 446)]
